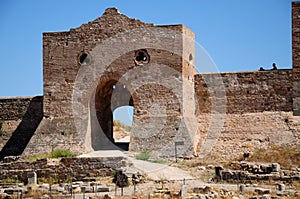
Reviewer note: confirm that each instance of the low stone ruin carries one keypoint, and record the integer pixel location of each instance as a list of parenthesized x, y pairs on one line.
[(256, 172), (79, 169)]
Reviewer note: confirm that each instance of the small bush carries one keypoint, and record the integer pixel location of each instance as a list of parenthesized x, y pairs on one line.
[(36, 157), (10, 181), (59, 153), (49, 180), (144, 155)]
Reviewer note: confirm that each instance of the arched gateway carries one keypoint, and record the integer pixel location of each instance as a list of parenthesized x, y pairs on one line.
[(115, 61)]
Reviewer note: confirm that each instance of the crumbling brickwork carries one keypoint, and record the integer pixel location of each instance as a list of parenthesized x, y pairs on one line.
[(248, 92), (67, 54), (14, 108), (153, 72), (296, 56), (26, 114)]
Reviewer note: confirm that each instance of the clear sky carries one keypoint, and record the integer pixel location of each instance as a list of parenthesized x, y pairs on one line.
[(239, 35)]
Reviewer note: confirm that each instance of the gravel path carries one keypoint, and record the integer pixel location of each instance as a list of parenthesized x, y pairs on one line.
[(154, 171)]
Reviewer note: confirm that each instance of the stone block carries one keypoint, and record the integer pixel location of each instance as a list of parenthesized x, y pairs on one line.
[(32, 178), (262, 191), (203, 189), (101, 189), (183, 191)]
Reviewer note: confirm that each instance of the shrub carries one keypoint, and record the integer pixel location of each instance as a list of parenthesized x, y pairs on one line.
[(144, 155), (49, 180), (59, 153), (10, 181), (36, 157), (56, 153)]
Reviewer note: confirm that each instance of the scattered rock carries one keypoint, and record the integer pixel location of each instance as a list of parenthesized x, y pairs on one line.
[(5, 196), (102, 189), (262, 191), (202, 168), (203, 190), (9, 159)]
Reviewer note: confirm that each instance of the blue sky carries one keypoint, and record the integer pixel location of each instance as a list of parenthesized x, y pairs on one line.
[(239, 35)]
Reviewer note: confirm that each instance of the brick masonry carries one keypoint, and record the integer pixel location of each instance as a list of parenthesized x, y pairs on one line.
[(14, 108), (21, 117), (247, 92), (188, 105), (296, 56)]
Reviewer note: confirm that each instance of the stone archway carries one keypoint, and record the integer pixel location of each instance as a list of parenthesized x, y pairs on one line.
[(110, 94)]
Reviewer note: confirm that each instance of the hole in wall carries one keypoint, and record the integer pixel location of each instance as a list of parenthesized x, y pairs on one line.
[(142, 57), (191, 57), (84, 59)]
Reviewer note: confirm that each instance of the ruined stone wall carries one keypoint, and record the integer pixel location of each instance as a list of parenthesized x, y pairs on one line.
[(246, 92), (63, 52), (247, 132), (296, 56), (158, 105), (63, 58), (22, 118), (18, 113), (62, 169), (13, 108)]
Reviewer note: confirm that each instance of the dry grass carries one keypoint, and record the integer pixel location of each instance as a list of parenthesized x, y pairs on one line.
[(287, 157), (120, 125)]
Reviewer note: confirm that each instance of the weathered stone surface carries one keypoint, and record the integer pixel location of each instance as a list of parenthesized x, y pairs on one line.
[(296, 57), (246, 92), (78, 168), (257, 105), (262, 191), (249, 131)]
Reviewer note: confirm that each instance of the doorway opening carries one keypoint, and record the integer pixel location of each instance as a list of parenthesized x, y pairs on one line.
[(122, 123), (114, 110)]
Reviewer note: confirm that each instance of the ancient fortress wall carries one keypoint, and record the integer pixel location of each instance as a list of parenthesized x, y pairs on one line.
[(14, 108), (246, 92), (12, 111), (259, 105), (20, 116), (296, 56), (64, 53), (258, 109), (247, 132)]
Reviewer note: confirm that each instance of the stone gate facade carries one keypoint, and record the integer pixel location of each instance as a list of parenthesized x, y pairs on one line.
[(117, 61)]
